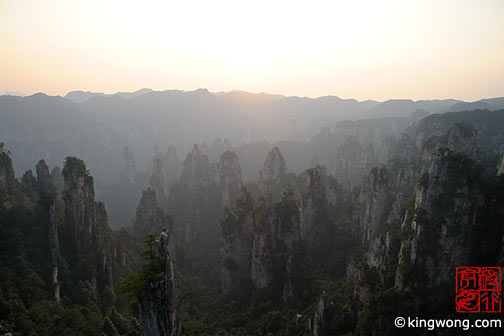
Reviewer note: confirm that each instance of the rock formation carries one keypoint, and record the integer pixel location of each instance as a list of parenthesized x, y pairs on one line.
[(171, 165), (129, 172), (229, 177), (273, 174), (196, 169), (158, 307), (79, 203), (157, 180), (236, 247), (315, 323), (352, 160), (48, 196), (150, 217), (447, 202), (7, 178)]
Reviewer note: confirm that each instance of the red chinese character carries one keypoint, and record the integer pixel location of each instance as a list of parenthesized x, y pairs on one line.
[(467, 278), (468, 301), (478, 289)]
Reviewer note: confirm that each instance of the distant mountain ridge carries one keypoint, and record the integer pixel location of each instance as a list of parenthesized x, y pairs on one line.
[(354, 109), (99, 125), (83, 96)]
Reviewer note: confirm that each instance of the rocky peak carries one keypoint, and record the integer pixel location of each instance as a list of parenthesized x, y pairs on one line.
[(28, 180), (171, 166), (313, 204), (272, 176), (274, 169), (236, 247), (462, 138), (44, 178), (372, 203), (277, 233), (196, 168), (130, 171), (158, 308), (352, 161), (79, 196), (448, 199), (7, 178), (46, 188), (149, 216), (58, 180), (229, 176), (157, 180)]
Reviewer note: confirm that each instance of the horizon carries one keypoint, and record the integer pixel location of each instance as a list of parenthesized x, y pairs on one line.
[(112, 93), (364, 50)]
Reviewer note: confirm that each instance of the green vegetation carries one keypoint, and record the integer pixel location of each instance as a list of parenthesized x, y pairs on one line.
[(153, 270)]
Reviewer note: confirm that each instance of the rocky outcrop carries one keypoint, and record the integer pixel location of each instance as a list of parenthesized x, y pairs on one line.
[(387, 203), (90, 240), (352, 161), (28, 180), (315, 323), (317, 195), (273, 174), (150, 217), (48, 194), (7, 178), (58, 181), (262, 244), (129, 173), (236, 248), (277, 234), (373, 200), (158, 308), (79, 203), (171, 164), (500, 168), (196, 169), (229, 177), (447, 202), (157, 180)]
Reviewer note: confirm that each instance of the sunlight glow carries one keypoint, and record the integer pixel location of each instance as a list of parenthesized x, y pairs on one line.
[(358, 49)]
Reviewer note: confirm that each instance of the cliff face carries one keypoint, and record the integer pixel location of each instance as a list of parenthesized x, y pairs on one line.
[(198, 198), (196, 169), (171, 166), (419, 205), (151, 218), (262, 244), (315, 323), (447, 202), (129, 172), (158, 310), (320, 197), (273, 174), (92, 243), (48, 193), (165, 169), (7, 178), (157, 180), (229, 177), (352, 160), (236, 247), (277, 236), (79, 203)]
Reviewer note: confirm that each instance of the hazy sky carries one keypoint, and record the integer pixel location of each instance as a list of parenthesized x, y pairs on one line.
[(353, 49)]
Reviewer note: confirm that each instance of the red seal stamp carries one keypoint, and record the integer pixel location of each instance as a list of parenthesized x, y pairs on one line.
[(478, 289)]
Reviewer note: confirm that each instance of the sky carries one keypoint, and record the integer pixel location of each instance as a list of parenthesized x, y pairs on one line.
[(428, 49)]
